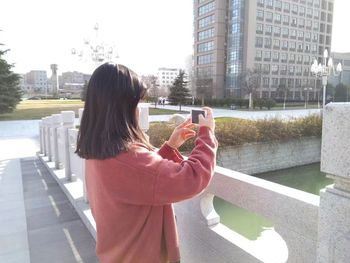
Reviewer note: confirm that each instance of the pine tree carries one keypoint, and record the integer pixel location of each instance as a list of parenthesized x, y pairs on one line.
[(179, 93), (10, 93)]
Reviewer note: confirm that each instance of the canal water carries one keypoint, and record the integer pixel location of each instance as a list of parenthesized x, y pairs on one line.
[(307, 178)]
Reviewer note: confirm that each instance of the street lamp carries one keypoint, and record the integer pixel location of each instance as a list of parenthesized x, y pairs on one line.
[(324, 71), (98, 52)]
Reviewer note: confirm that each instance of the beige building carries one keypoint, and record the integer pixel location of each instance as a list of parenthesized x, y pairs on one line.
[(279, 38), (166, 77)]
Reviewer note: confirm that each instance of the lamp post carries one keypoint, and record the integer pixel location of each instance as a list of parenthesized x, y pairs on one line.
[(98, 52), (324, 71)]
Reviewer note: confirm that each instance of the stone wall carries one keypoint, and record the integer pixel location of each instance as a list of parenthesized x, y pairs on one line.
[(264, 157)]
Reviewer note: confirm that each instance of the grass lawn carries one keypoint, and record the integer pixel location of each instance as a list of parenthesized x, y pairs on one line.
[(37, 109), (158, 111)]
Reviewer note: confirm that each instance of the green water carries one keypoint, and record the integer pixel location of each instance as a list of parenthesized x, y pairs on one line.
[(307, 178)]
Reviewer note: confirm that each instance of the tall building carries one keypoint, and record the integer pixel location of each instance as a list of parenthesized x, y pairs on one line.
[(344, 76), (278, 38), (72, 82), (35, 81), (166, 77)]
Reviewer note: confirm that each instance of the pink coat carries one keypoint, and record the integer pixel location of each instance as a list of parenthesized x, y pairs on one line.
[(131, 198)]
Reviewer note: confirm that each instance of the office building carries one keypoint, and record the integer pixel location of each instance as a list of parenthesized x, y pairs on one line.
[(166, 77), (278, 38)]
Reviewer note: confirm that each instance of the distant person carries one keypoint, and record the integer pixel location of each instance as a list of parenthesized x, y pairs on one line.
[(130, 186), (163, 102)]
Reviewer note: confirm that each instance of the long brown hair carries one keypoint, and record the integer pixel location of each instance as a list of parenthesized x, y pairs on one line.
[(110, 123)]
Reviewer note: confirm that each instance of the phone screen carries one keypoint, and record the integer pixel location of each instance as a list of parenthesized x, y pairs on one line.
[(195, 115)]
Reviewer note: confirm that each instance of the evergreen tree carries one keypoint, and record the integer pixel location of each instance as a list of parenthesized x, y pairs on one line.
[(10, 93), (83, 92), (179, 93)]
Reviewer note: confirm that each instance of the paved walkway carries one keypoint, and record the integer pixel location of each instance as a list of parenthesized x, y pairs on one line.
[(55, 231), (37, 222)]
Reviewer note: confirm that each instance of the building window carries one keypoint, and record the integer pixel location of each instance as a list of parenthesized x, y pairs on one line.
[(300, 35), (206, 21), (268, 16), (267, 55), (285, 19), (276, 43), (309, 12), (284, 44), (277, 30), (308, 24), (205, 59), (276, 56), (307, 36), (316, 13), (278, 4), (301, 22), (269, 3), (291, 57), (260, 14), (259, 28), (206, 8), (293, 33), (286, 7), (295, 9), (261, 2), (315, 25), (294, 21), (207, 46), (307, 47), (268, 42), (266, 81), (259, 42), (284, 57), (205, 72), (277, 18), (266, 68), (301, 11), (258, 55), (268, 29), (206, 34), (285, 32)]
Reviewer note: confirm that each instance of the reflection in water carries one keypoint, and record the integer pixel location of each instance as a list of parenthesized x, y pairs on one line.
[(307, 178)]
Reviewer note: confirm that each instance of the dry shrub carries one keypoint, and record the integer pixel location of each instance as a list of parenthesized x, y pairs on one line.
[(234, 131)]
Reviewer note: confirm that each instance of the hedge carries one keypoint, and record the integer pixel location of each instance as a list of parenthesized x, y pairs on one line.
[(234, 131)]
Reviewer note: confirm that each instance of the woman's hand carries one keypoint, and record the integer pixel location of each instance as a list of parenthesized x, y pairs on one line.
[(181, 133), (208, 120)]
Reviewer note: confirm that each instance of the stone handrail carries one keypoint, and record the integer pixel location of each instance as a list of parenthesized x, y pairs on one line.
[(311, 229)]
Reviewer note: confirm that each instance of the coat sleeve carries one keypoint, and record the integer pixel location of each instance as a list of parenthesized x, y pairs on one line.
[(171, 154), (179, 181)]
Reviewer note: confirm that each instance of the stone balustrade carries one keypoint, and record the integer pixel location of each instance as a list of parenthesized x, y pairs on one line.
[(308, 228)]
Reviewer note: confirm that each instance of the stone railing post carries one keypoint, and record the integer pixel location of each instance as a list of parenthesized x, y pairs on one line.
[(56, 123), (41, 134), (68, 118), (143, 117), (62, 140), (334, 213), (48, 138)]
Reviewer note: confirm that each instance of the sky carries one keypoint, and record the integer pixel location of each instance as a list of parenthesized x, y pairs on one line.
[(147, 34)]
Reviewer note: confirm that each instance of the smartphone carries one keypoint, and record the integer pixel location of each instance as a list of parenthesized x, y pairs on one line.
[(195, 115)]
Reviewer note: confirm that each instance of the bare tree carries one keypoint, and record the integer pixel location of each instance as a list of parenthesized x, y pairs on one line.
[(153, 92), (204, 88), (249, 82)]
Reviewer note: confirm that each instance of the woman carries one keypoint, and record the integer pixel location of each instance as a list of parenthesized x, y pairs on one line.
[(131, 187)]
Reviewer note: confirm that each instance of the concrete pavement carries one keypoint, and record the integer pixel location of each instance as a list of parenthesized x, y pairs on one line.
[(33, 205)]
